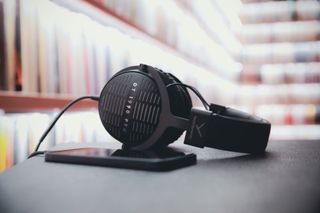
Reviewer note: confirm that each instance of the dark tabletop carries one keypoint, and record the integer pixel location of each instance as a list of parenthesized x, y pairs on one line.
[(285, 179)]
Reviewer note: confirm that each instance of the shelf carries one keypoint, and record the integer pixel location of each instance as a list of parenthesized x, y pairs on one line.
[(275, 11), (298, 31), (20, 102)]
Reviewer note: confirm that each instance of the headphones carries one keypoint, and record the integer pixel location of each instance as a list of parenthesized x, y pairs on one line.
[(146, 108)]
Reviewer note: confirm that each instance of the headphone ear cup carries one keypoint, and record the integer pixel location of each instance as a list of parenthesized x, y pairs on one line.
[(180, 105), (180, 100), (130, 107)]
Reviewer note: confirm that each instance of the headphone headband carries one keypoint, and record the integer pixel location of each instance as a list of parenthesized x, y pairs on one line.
[(230, 130)]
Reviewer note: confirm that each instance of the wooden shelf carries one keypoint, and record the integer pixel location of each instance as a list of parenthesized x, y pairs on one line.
[(21, 102)]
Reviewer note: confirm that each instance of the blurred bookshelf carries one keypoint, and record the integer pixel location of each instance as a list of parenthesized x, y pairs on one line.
[(260, 56), (280, 55)]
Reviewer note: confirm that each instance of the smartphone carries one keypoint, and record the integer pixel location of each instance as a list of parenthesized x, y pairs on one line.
[(156, 160)]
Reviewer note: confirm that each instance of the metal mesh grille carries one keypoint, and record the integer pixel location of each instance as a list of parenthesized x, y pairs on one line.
[(144, 109)]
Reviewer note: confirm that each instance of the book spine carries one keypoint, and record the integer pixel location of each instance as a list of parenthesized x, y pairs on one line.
[(3, 72), (10, 35)]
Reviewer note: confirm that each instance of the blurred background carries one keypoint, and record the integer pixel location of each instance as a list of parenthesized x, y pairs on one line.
[(262, 57)]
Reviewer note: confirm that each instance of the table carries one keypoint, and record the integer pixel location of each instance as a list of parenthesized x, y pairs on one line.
[(285, 179)]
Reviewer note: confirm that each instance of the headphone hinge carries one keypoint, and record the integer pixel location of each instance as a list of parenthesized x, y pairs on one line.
[(216, 108)]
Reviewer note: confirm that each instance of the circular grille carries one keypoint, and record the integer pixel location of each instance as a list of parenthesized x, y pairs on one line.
[(129, 107)]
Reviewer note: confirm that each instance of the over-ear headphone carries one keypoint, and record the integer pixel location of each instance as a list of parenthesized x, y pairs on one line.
[(144, 108)]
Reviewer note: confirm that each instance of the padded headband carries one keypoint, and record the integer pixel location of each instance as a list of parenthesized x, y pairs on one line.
[(227, 129)]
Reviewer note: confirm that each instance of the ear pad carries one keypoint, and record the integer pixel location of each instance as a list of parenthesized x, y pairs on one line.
[(130, 107), (180, 105)]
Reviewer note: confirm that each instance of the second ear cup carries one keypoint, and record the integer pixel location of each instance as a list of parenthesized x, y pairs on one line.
[(180, 100)]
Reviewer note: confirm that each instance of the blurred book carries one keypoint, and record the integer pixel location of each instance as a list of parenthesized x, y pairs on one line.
[(10, 39), (3, 74)]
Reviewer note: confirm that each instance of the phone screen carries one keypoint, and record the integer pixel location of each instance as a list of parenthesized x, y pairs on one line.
[(158, 160)]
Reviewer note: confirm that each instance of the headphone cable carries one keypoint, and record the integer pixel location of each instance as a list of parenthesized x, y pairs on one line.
[(205, 104), (96, 98), (36, 152)]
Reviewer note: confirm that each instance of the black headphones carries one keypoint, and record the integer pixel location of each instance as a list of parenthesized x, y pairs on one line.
[(145, 108)]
